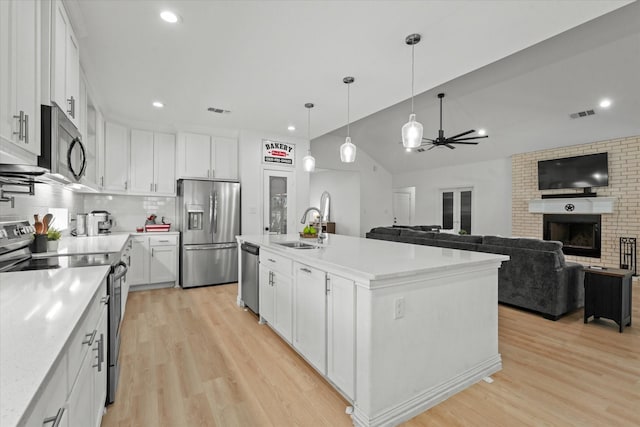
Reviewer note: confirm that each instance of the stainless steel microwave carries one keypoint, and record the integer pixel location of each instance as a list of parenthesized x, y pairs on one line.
[(61, 151)]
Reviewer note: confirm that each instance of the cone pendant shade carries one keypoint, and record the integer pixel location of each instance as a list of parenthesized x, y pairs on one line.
[(412, 133), (347, 151), (309, 163)]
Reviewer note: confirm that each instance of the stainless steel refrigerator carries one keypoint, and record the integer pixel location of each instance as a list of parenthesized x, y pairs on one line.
[(209, 220)]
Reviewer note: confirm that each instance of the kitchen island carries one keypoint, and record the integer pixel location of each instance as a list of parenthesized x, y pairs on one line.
[(396, 328)]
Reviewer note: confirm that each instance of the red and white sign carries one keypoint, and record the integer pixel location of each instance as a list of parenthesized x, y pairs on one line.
[(281, 153)]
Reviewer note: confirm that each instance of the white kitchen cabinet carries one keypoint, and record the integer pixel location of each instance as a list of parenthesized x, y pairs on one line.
[(203, 156), (93, 140), (80, 401), (138, 273), (163, 261), (116, 157), (52, 401), (152, 168), (310, 316), (100, 368), (20, 73), (341, 336), (225, 158), (65, 63), (278, 277), (266, 295)]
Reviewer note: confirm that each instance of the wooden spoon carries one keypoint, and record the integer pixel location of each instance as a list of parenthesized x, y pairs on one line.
[(39, 227), (48, 219)]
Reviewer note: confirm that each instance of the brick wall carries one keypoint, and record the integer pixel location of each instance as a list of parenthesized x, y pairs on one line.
[(624, 185)]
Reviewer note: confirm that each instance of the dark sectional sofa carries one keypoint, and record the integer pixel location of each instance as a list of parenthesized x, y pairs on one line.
[(536, 277)]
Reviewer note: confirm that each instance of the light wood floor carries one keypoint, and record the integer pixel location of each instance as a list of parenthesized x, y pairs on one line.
[(193, 358)]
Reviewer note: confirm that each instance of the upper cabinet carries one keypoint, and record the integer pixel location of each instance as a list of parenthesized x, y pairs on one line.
[(204, 156), (65, 63), (152, 166), (116, 158), (20, 73)]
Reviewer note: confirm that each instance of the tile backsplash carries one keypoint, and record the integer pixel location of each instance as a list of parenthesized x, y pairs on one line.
[(130, 212)]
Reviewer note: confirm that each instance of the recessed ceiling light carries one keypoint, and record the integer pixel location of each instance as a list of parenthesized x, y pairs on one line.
[(169, 16), (157, 104), (605, 103), (482, 132), (291, 128)]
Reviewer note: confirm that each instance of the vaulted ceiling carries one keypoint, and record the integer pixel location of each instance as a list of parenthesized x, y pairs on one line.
[(264, 59)]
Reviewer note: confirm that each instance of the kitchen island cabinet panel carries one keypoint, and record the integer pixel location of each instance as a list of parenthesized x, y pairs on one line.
[(341, 333)]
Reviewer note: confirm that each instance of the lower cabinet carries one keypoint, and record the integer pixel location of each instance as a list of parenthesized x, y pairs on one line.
[(154, 260), (314, 310), (76, 393)]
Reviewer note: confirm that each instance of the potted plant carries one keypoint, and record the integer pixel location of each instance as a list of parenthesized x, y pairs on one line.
[(53, 237)]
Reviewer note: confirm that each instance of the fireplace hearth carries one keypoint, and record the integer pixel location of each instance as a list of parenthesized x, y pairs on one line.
[(579, 234)]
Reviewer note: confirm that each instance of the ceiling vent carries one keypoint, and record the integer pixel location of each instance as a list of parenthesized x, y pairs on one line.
[(580, 114), (218, 110)]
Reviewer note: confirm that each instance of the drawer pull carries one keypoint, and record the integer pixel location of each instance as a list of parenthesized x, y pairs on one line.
[(92, 336), (105, 299), (163, 241), (100, 355), (306, 270), (271, 260), (55, 419)]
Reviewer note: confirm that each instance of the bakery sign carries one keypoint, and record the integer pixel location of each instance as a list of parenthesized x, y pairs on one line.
[(280, 153)]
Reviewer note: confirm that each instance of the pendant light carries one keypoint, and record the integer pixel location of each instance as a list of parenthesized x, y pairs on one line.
[(308, 161), (348, 150), (412, 130)]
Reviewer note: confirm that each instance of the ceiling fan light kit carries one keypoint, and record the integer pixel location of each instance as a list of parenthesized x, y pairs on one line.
[(308, 161), (348, 149), (412, 130)]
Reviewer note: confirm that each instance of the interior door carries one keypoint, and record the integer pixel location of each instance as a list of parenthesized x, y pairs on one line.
[(278, 202), (226, 212), (402, 208), (456, 209)]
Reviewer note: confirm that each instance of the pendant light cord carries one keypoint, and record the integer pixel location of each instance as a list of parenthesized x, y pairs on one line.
[(309, 128), (412, 73), (348, 107)]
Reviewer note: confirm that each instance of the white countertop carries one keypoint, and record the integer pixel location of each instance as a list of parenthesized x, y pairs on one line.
[(105, 243), (38, 312), (372, 259)]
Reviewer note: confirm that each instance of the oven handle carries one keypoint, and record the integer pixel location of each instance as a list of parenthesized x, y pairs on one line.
[(118, 276)]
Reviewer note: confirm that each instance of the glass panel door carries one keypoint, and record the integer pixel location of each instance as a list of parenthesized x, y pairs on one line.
[(456, 208), (278, 202)]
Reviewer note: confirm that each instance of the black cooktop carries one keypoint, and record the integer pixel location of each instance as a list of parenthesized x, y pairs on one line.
[(66, 261)]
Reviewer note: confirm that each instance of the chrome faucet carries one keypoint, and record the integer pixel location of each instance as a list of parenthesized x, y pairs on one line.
[(321, 235)]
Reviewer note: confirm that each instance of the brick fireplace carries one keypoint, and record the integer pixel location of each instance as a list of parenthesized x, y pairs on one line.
[(624, 187)]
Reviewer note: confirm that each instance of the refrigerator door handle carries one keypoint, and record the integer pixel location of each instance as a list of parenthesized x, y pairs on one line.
[(210, 247), (215, 212), (210, 211)]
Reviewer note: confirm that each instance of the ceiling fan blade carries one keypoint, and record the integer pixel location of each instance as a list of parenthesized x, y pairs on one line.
[(432, 147), (471, 137), (462, 142), (427, 139), (462, 134), (449, 146)]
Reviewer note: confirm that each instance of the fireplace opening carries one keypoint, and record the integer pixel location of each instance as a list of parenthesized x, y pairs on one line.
[(579, 234)]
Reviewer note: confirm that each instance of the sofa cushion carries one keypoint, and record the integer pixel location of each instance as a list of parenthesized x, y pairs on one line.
[(386, 230), (417, 233), (428, 227), (528, 243), (464, 238)]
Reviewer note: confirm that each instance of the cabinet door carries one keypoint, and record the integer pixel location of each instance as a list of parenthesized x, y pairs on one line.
[(162, 265), (73, 75), (164, 155), (266, 295), (138, 273), (141, 165), (225, 158), (283, 310), (27, 84), (52, 399), (197, 156), (341, 333), (7, 67), (100, 130), (309, 331), (100, 367), (59, 61), (80, 401), (116, 157)]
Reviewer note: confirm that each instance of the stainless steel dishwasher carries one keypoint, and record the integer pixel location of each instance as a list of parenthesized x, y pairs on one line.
[(250, 275)]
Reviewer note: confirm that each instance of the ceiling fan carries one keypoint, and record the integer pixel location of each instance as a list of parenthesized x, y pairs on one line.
[(441, 140)]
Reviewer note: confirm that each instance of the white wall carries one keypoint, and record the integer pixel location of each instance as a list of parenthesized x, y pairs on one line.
[(345, 208), (251, 171), (130, 212), (375, 181), (491, 182)]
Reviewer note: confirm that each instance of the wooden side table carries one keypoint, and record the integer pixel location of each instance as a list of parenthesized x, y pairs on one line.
[(607, 293)]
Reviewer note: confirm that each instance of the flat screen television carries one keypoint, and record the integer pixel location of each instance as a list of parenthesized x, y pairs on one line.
[(574, 172)]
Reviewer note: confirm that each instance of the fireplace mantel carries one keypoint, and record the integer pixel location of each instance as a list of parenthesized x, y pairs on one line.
[(577, 205)]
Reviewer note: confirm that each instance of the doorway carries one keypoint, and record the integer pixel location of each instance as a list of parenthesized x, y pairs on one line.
[(404, 205), (278, 202), (456, 209)]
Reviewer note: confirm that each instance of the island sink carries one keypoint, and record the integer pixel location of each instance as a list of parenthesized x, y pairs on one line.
[(297, 245)]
